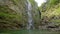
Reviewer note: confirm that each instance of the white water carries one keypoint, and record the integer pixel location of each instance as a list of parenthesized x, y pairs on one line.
[(30, 19)]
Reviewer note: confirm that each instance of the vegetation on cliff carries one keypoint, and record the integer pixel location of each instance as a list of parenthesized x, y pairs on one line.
[(13, 14), (50, 12)]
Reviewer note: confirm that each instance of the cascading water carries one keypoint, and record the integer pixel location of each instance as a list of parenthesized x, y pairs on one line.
[(30, 19)]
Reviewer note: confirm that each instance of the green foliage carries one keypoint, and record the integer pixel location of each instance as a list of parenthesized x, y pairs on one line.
[(47, 5), (51, 10), (54, 2), (33, 2)]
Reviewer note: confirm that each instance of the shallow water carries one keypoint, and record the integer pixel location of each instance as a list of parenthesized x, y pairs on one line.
[(29, 32)]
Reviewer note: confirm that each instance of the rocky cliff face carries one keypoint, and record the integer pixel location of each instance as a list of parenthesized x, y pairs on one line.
[(13, 14), (51, 13)]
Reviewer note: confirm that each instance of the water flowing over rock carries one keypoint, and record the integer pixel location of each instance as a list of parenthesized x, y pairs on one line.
[(30, 18)]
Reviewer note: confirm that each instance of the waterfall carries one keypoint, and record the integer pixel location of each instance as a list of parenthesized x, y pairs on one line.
[(30, 18)]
